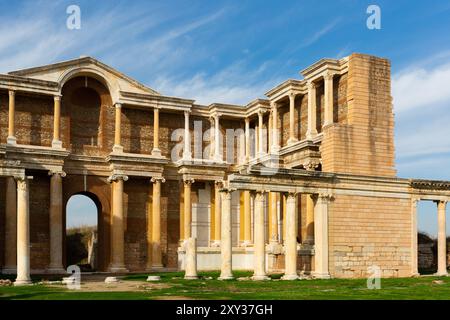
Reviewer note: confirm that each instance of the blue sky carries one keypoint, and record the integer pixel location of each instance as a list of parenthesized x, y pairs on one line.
[(234, 51)]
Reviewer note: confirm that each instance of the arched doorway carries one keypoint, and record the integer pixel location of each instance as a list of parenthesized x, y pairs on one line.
[(82, 215)]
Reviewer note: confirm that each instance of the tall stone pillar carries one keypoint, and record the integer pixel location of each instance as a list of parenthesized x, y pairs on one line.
[(217, 151), (414, 238), (11, 121), (290, 256), (260, 242), (328, 83), (256, 140), (275, 141), (156, 255), (56, 222), (225, 242), (117, 130), (187, 208), (217, 213), (309, 239), (23, 233), (247, 219), (442, 241), (56, 143), (270, 132), (321, 237), (273, 216), (312, 130), (117, 225), (187, 154), (247, 139), (292, 139), (10, 266), (156, 151), (260, 133), (181, 226), (190, 247)]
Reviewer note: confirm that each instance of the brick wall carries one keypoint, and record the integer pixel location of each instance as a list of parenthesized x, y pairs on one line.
[(2, 220), (365, 231)]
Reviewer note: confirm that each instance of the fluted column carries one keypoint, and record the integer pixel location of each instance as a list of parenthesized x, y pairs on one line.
[(217, 213), (275, 141), (117, 225), (414, 238), (442, 240), (321, 237), (156, 256), (328, 83), (312, 117), (187, 208), (247, 139), (10, 266), (225, 242), (247, 219), (56, 143), (11, 118), (290, 257), (117, 130), (292, 139), (23, 233), (156, 151), (56, 222), (187, 154), (259, 239)]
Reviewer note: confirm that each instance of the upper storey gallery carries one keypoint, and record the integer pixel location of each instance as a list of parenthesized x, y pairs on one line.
[(338, 118)]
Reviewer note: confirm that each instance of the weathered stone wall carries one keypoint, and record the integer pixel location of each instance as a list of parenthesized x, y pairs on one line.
[(365, 143), (366, 231), (137, 130)]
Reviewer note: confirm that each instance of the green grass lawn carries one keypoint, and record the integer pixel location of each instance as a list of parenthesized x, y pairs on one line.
[(173, 286)]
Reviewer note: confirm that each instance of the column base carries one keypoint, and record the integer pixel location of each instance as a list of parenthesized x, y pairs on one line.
[(225, 277), (56, 144), (192, 277), (311, 135), (9, 270), (11, 140), (292, 141), (415, 274), (156, 152), (441, 274), (260, 278), (319, 275), (117, 149), (290, 277), (25, 282)]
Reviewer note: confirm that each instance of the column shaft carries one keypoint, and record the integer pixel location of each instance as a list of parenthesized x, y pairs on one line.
[(156, 224), (273, 216), (217, 153), (10, 266), (56, 143), (11, 121), (290, 272), (309, 239), (414, 239), (156, 151), (247, 219), (260, 243), (321, 237), (187, 155), (117, 228), (247, 139), (225, 242), (117, 130), (56, 223), (312, 130), (442, 241), (187, 209), (23, 233), (328, 83), (217, 213), (292, 139), (260, 134), (275, 142)]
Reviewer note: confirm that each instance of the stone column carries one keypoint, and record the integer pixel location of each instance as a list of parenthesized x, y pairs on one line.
[(256, 140), (273, 216), (117, 225), (56, 222), (275, 142), (117, 130), (292, 139), (187, 154), (290, 255), (56, 143), (156, 151), (190, 247), (23, 233), (212, 138), (260, 133), (312, 130), (247, 139), (270, 133), (309, 239), (225, 244), (442, 241), (11, 115), (181, 222), (321, 237), (217, 151), (10, 266), (156, 260), (217, 213), (187, 208), (247, 219), (260, 242), (328, 83), (414, 238)]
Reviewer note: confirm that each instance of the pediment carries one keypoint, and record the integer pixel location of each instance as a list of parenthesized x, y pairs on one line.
[(63, 71)]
